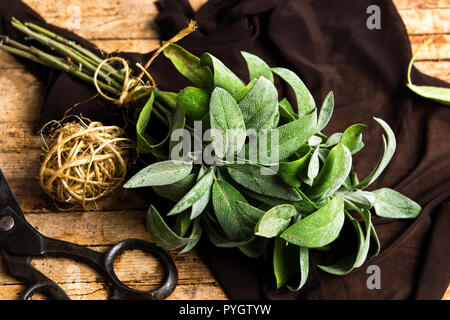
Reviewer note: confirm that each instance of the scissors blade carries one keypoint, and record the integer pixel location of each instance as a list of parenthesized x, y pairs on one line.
[(7, 198)]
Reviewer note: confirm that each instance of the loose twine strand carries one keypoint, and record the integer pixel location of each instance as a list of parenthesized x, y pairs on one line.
[(85, 162)]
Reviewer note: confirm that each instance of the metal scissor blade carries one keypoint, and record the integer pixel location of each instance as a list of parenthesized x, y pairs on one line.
[(7, 198)]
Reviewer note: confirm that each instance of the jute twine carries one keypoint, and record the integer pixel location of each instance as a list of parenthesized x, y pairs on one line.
[(84, 163)]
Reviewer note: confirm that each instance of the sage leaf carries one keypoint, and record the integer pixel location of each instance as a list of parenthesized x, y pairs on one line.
[(199, 206), (303, 206), (285, 262), (304, 269), (257, 67), (313, 166), (224, 197), (219, 240), (224, 77), (333, 140), (291, 171), (160, 173), (146, 143), (319, 228), (355, 260), (305, 101), (388, 152), (335, 170), (177, 190), (250, 177), (167, 98), (352, 135), (326, 111), (363, 199), (248, 215), (392, 204), (286, 111), (189, 66), (195, 194), (194, 102), (254, 248), (226, 119), (438, 94), (164, 236), (293, 135), (178, 122), (275, 221), (260, 105)]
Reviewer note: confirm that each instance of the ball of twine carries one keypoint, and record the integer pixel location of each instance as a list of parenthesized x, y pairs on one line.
[(84, 163)]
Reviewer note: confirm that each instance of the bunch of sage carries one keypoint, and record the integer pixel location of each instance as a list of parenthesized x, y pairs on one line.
[(282, 207)]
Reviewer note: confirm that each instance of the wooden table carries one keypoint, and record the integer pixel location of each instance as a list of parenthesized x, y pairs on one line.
[(125, 25)]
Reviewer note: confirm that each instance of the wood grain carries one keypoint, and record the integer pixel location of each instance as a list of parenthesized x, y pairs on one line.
[(126, 25)]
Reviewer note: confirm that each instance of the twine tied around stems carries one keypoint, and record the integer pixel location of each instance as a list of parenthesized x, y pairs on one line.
[(135, 88)]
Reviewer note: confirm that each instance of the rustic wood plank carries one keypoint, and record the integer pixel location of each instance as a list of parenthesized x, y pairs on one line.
[(421, 4), (98, 291)]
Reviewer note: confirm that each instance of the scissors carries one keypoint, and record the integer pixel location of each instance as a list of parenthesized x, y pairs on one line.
[(20, 241)]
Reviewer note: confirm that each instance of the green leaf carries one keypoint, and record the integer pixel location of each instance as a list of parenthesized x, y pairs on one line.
[(250, 177), (286, 111), (391, 204), (285, 262), (177, 190), (326, 111), (333, 140), (160, 174), (352, 135), (257, 67), (189, 66), (178, 122), (295, 134), (201, 188), (288, 260), (388, 152), (167, 98), (224, 77), (199, 206), (224, 197), (305, 101), (355, 260), (319, 228), (275, 221), (304, 269), (255, 248), (363, 199), (226, 119), (313, 166), (438, 94), (260, 105), (248, 215), (194, 102), (146, 143), (219, 240), (303, 206), (164, 236), (335, 170), (291, 171)]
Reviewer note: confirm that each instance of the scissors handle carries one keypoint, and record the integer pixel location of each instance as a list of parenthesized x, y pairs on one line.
[(104, 264)]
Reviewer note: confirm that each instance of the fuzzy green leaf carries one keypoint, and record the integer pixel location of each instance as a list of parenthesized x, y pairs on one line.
[(194, 102), (160, 174), (257, 67), (250, 177), (275, 221), (326, 111), (319, 228), (260, 105), (392, 204)]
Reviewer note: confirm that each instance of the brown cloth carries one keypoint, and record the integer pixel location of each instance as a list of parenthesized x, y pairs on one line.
[(329, 45)]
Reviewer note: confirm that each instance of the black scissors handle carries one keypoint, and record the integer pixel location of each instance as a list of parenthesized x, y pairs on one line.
[(104, 263), (19, 230)]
